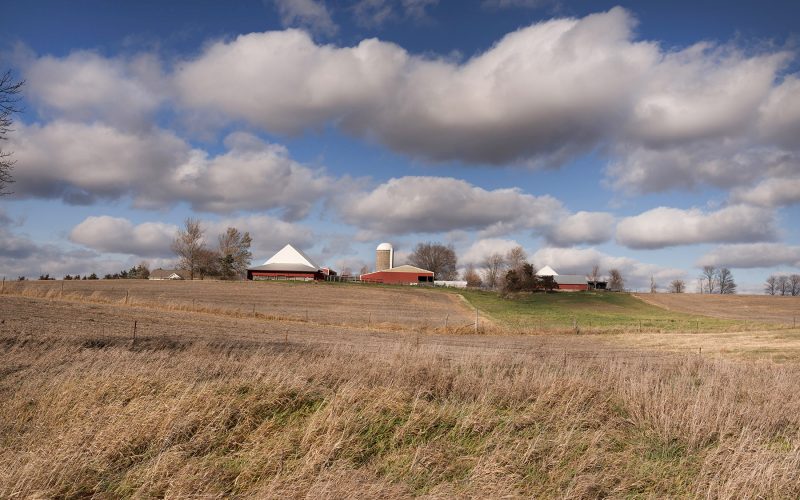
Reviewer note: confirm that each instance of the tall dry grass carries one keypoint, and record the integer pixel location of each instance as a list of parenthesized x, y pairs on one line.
[(82, 418)]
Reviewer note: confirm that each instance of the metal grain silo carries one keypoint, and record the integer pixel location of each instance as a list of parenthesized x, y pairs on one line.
[(384, 257)]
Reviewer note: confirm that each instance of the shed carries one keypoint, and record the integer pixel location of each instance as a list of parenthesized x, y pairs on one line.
[(168, 274), (400, 275), (571, 282)]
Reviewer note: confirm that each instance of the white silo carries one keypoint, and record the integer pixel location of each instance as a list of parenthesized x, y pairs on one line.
[(384, 257)]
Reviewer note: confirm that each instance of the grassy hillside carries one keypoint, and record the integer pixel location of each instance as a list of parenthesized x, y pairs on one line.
[(600, 311)]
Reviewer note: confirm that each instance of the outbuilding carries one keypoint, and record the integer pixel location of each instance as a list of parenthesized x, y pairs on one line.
[(168, 274), (568, 282), (400, 275), (289, 264)]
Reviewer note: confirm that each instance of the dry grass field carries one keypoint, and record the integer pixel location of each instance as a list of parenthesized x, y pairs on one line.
[(761, 308), (323, 303), (210, 403)]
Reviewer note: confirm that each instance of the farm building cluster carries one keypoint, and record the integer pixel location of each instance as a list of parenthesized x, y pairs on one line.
[(291, 263)]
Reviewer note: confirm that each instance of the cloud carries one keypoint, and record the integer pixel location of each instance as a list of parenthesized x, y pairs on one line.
[(118, 235), (153, 239), (546, 91), (269, 234), (375, 13), (581, 260), (509, 4), (436, 204), (724, 163), (582, 228), (83, 164), (664, 227), (250, 175), (702, 92), (477, 252), (21, 256), (311, 14), (780, 114), (773, 192), (752, 255), (86, 86)]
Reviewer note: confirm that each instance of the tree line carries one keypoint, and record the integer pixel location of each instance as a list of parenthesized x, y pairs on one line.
[(716, 280), (783, 284)]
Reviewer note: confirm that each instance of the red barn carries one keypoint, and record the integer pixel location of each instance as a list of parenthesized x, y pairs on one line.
[(571, 282), (289, 264), (400, 275)]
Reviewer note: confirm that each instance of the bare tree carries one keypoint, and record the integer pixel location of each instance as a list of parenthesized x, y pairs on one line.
[(516, 258), (794, 282), (782, 286), (9, 98), (677, 286), (209, 263), (471, 276), (435, 257), (771, 285), (594, 275), (653, 285), (347, 271), (364, 270), (234, 251), (725, 280), (709, 278), (188, 246), (494, 268), (615, 280)]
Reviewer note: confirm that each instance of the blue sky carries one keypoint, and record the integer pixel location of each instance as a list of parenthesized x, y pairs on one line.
[(651, 137)]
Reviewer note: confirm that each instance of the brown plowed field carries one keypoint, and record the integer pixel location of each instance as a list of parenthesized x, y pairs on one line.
[(328, 303), (26, 320), (762, 308)]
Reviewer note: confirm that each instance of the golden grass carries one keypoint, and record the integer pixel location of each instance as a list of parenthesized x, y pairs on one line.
[(82, 414)]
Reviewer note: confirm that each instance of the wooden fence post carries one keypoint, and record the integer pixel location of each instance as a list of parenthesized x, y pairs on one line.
[(476, 320), (446, 317), (133, 344)]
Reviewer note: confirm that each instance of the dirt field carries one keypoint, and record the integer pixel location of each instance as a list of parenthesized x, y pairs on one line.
[(761, 308), (111, 325), (324, 303)]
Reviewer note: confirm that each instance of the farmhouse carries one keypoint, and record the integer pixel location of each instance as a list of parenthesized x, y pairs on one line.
[(169, 274), (289, 264), (400, 275), (567, 282)]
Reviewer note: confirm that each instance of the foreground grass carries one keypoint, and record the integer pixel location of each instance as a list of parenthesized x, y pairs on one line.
[(77, 420), (592, 311)]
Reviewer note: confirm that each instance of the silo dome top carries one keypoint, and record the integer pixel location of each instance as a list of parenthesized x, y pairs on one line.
[(385, 246)]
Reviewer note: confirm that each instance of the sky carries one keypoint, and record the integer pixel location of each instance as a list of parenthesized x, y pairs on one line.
[(652, 137)]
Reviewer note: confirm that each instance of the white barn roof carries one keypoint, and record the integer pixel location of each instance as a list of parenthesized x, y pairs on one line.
[(546, 271), (289, 255)]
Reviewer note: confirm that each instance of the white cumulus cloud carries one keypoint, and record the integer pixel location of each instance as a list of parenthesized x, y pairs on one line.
[(752, 255), (665, 226)]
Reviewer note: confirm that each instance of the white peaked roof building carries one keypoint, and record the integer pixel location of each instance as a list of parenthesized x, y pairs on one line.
[(565, 281), (292, 257), (546, 271), (288, 263)]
